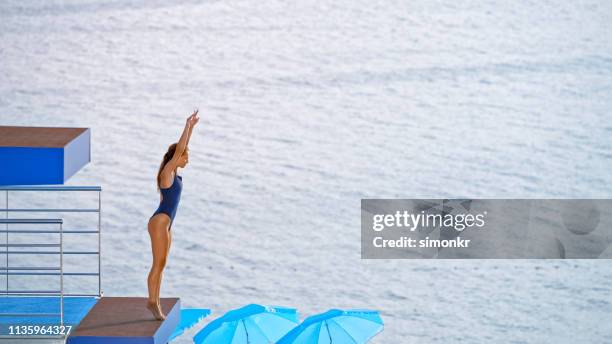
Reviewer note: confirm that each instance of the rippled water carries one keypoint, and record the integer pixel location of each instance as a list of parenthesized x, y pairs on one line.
[(307, 107)]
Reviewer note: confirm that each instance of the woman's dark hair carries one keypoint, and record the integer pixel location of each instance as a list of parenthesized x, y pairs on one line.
[(167, 157)]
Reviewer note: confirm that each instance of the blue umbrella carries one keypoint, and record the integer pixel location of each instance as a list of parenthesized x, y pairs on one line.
[(251, 324), (336, 327), (189, 318)]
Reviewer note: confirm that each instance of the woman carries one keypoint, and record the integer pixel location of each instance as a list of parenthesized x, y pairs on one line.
[(170, 184)]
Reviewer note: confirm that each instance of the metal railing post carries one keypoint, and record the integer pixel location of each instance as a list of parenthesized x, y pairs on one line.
[(7, 241), (100, 243), (61, 274)]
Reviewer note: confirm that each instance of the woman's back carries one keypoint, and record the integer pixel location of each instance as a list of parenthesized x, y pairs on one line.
[(171, 197)]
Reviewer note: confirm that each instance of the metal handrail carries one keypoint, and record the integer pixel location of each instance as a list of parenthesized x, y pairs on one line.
[(9, 248), (31, 268), (28, 210), (48, 231), (49, 188), (48, 274), (19, 268), (30, 221), (30, 245), (50, 252), (98, 189)]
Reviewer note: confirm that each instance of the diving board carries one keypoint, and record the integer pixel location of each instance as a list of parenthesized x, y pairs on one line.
[(42, 155), (126, 320)]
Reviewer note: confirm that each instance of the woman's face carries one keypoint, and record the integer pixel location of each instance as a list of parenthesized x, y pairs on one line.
[(184, 159)]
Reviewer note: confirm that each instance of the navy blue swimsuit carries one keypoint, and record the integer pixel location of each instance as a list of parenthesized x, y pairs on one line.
[(170, 198)]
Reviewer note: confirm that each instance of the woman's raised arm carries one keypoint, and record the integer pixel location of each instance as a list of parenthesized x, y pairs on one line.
[(183, 141), (194, 121)]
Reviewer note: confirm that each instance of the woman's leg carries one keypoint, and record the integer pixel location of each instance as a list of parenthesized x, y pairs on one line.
[(161, 275), (169, 243), (158, 231)]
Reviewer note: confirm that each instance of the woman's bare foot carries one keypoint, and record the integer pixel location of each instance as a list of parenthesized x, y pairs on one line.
[(160, 309), (156, 310)]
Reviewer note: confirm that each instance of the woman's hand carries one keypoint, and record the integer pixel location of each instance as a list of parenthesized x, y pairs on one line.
[(193, 119)]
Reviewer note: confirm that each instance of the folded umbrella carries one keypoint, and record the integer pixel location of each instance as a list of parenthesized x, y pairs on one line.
[(336, 327), (251, 324)]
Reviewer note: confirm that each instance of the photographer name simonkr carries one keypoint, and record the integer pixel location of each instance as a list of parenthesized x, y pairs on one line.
[(407, 242)]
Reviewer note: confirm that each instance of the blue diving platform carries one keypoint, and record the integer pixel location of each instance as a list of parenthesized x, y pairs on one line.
[(126, 320), (42, 155)]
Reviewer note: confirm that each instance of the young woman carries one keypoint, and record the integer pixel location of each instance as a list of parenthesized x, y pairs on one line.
[(170, 184)]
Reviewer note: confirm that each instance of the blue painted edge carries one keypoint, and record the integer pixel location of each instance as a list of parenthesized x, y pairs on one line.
[(31, 165), (173, 319), (77, 154)]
